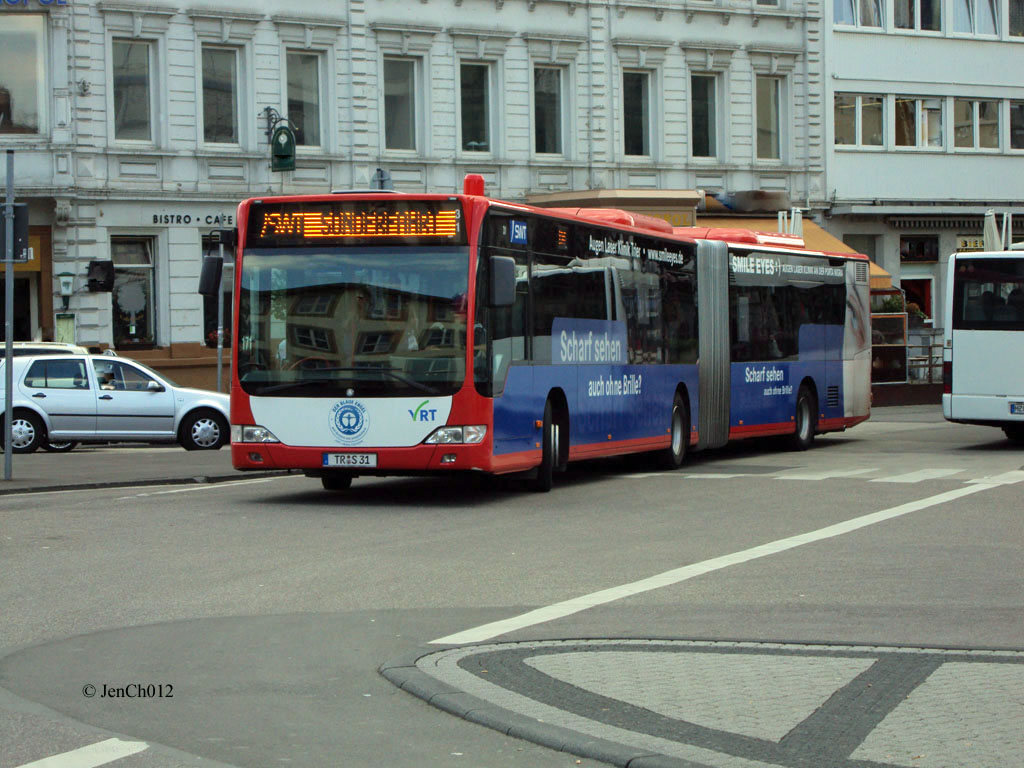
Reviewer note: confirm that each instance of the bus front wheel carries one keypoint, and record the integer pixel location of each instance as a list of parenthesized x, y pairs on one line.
[(549, 452), (1015, 432), (336, 482), (674, 456), (806, 420)]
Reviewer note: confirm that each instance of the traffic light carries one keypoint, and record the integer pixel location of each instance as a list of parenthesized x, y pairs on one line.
[(282, 149)]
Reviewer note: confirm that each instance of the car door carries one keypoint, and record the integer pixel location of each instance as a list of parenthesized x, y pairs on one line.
[(130, 403), (60, 387)]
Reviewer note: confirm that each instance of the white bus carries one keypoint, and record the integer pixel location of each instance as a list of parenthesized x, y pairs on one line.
[(983, 355)]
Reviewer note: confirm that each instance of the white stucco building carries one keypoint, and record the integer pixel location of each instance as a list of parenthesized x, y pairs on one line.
[(926, 130), (138, 126)]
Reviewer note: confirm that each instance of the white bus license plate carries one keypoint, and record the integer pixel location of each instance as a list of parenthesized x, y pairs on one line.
[(350, 459), (1017, 408)]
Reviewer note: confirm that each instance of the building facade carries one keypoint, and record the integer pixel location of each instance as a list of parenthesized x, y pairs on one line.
[(138, 126), (925, 132)]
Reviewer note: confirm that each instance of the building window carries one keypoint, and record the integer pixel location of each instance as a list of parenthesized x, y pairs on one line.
[(976, 124), (975, 17), (918, 122), (768, 122), (304, 97), (132, 99), (399, 104), (858, 120), (22, 87), (1017, 18), (859, 13), (916, 248), (703, 114), (210, 319), (921, 15), (475, 97), (134, 309), (220, 95), (1017, 125), (636, 113), (547, 115)]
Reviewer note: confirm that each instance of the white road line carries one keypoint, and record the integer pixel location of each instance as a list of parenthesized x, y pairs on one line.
[(691, 476), (202, 487), (1007, 478), (89, 757), (668, 578), (826, 475), (918, 476)]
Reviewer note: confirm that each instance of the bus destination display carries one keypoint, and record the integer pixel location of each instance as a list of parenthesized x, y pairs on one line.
[(354, 222)]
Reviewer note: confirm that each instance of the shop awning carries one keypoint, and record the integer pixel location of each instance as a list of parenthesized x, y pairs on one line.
[(815, 238)]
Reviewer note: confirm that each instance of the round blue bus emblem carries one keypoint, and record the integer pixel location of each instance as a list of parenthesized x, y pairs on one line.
[(349, 422)]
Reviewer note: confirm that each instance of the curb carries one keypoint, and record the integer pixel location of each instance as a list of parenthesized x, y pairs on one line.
[(197, 480), (404, 674)]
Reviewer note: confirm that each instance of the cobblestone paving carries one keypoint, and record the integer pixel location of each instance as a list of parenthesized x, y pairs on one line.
[(739, 705)]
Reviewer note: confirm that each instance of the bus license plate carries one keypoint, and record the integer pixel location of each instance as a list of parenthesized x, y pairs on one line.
[(1017, 408), (350, 459)]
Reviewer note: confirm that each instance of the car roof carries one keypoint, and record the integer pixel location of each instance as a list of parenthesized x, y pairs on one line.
[(48, 347)]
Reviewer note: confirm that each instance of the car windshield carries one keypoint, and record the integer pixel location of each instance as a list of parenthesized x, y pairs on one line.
[(343, 321)]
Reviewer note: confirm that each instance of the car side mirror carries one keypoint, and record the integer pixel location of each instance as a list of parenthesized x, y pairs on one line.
[(154, 386)]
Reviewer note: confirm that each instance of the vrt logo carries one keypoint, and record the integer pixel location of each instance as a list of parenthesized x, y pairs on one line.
[(349, 422), (423, 414)]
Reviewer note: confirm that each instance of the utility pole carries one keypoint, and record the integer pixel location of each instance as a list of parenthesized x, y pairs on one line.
[(9, 317)]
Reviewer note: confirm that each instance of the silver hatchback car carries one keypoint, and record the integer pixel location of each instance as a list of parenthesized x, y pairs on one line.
[(99, 398)]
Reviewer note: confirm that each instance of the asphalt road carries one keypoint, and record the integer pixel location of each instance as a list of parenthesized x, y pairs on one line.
[(267, 605)]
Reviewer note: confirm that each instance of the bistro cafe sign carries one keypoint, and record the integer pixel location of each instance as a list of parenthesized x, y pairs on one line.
[(195, 219)]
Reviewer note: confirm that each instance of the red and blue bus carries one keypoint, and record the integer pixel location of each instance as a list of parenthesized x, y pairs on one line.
[(380, 333)]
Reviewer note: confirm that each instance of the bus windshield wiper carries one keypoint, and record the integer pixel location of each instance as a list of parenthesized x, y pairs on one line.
[(334, 369)]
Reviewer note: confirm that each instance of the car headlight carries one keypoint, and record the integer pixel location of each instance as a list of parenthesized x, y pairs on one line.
[(450, 435), (252, 433)]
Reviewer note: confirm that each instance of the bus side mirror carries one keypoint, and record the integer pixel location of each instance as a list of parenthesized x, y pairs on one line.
[(503, 281), (209, 278)]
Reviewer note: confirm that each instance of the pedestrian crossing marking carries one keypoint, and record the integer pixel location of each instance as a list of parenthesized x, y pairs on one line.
[(918, 476), (94, 755), (826, 474)]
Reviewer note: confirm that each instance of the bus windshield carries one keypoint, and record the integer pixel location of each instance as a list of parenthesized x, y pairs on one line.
[(988, 294), (353, 321)]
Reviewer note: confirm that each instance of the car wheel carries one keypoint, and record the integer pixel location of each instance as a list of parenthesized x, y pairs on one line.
[(27, 431), (203, 431), (62, 446)]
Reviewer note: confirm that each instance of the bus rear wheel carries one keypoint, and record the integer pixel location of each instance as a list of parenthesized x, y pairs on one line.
[(806, 420), (549, 452), (674, 456)]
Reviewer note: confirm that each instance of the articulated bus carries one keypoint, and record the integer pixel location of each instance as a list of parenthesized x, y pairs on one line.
[(983, 345), (391, 333)]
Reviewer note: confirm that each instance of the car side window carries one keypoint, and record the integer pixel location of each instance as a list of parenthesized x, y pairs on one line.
[(107, 375), (133, 379), (57, 374)]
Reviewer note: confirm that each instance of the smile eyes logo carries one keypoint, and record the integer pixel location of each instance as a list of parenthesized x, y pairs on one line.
[(423, 414)]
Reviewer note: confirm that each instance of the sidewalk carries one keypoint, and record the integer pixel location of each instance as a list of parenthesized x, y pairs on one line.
[(102, 465)]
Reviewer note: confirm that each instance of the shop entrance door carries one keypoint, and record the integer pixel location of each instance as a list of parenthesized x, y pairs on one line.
[(22, 309)]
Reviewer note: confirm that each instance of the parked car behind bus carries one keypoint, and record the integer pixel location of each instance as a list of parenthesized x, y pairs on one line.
[(99, 398)]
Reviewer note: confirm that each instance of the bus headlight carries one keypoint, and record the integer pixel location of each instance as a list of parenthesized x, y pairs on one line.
[(449, 435), (251, 433)]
